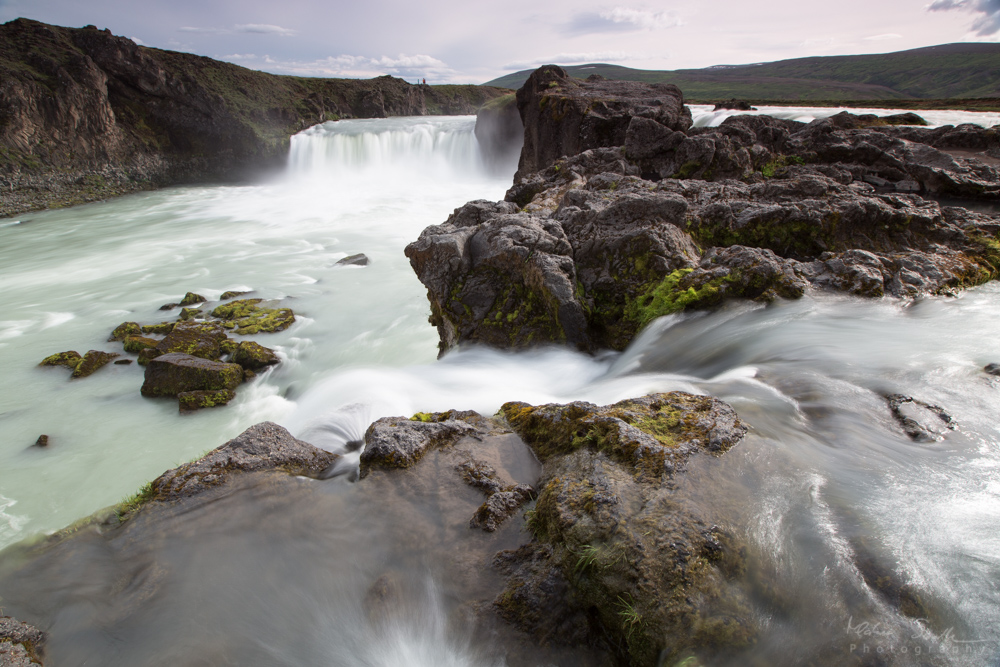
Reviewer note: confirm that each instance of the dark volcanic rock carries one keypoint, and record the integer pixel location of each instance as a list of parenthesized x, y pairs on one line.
[(253, 356), (563, 116), (247, 317), (200, 339), (174, 373), (43, 441), (359, 259), (992, 369), (21, 645), (124, 330), (93, 361), (398, 442), (735, 105), (231, 294), (265, 446), (191, 299), (136, 344)]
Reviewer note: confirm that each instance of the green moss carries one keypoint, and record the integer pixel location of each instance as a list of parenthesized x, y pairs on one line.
[(124, 330), (196, 400), (70, 359), (189, 313), (422, 417), (779, 162), (668, 297), (136, 344), (131, 504), (246, 317), (191, 298), (161, 328)]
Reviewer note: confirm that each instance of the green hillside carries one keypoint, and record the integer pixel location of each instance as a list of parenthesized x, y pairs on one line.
[(948, 71)]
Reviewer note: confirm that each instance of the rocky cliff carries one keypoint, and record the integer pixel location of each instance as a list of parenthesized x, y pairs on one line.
[(621, 212), (85, 114)]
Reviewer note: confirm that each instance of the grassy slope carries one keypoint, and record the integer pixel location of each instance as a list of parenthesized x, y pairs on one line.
[(947, 71)]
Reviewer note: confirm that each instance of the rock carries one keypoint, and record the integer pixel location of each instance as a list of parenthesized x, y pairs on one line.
[(354, 260), (563, 116), (231, 295), (92, 362), (398, 442), (124, 330), (734, 105), (147, 354), (611, 543), (21, 645), (265, 446), (189, 313), (123, 362), (201, 339), (162, 328), (992, 369), (136, 344), (246, 317), (254, 357), (42, 441), (70, 359), (169, 306), (502, 501), (921, 421), (173, 373), (191, 298), (196, 400)]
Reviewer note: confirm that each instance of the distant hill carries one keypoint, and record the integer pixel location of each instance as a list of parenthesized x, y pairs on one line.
[(969, 70)]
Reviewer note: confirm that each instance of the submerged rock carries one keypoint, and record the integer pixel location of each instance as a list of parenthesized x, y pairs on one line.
[(173, 373), (136, 344), (93, 361), (43, 441), (360, 259), (921, 421), (21, 645), (992, 369)]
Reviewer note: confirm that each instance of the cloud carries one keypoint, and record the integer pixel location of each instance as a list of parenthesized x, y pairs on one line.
[(988, 23), (575, 59), (622, 19), (882, 38), (264, 29), (245, 28)]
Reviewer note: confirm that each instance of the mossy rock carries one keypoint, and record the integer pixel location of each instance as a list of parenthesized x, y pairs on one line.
[(253, 356), (162, 328), (93, 361), (246, 317), (148, 354), (136, 344), (196, 400), (191, 298), (201, 339), (70, 359), (231, 294), (189, 313), (173, 374), (124, 330)]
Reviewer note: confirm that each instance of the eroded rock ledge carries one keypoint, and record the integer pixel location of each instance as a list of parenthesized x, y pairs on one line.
[(604, 231)]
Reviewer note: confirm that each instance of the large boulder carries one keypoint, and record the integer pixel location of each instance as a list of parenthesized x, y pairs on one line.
[(174, 373), (563, 116)]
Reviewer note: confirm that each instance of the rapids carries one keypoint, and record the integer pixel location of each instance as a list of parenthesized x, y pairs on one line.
[(824, 484)]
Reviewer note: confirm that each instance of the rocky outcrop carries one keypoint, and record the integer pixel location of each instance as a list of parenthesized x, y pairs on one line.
[(588, 249), (563, 116), (21, 645), (86, 115), (174, 373)]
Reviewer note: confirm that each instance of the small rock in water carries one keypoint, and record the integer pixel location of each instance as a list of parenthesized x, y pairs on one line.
[(354, 260), (191, 298), (253, 356), (43, 441), (123, 362), (231, 294), (189, 313), (169, 306), (921, 421), (992, 369), (93, 361), (124, 330), (70, 359)]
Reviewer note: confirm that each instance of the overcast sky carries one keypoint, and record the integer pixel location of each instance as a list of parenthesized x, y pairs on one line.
[(457, 41)]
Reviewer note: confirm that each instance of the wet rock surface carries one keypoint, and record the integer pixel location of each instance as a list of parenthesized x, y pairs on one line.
[(21, 645), (921, 421), (359, 259), (174, 373), (265, 446), (597, 238)]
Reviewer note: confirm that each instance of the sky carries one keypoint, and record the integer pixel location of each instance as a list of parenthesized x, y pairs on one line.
[(457, 41)]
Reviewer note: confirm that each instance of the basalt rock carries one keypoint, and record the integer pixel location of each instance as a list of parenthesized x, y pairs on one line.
[(399, 442), (93, 361), (200, 339), (265, 446), (136, 344), (21, 645), (70, 359), (247, 317), (124, 330), (189, 401), (252, 356), (173, 373), (191, 299), (563, 116), (359, 259), (596, 256)]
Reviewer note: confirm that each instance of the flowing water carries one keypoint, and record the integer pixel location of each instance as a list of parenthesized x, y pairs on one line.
[(827, 490)]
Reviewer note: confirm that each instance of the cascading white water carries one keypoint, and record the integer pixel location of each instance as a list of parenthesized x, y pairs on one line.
[(823, 456)]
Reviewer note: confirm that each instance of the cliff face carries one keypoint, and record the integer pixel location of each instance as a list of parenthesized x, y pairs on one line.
[(85, 114)]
